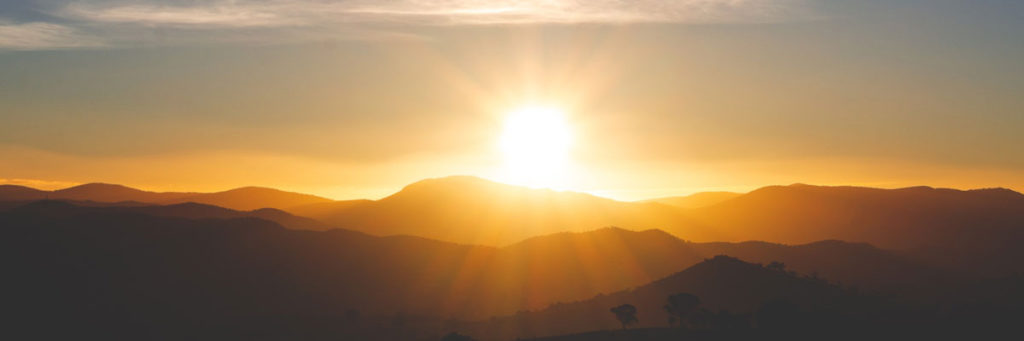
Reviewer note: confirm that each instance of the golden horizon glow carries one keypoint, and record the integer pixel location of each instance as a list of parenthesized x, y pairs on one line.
[(535, 145), (651, 110)]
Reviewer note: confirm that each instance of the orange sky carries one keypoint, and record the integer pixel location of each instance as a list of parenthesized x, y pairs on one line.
[(752, 94)]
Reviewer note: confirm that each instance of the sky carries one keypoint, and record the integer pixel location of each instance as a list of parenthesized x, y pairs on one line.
[(355, 99)]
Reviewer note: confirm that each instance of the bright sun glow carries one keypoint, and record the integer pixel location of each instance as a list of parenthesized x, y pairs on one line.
[(536, 143)]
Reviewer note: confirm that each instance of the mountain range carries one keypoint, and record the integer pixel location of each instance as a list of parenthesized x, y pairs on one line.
[(407, 273), (973, 231), (695, 200), (98, 260), (245, 198), (720, 283)]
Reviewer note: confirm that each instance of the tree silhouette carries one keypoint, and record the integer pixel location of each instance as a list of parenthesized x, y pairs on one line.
[(626, 314), (680, 306)]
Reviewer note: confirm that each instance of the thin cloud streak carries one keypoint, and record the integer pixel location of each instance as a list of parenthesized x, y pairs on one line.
[(154, 15), (120, 23), (42, 36), (434, 12)]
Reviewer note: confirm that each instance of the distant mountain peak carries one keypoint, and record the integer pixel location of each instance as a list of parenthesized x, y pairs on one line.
[(453, 182), (997, 191), (13, 186), (695, 200), (95, 186), (252, 189)]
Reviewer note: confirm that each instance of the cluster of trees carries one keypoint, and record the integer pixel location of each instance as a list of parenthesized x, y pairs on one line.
[(681, 308), (685, 311)]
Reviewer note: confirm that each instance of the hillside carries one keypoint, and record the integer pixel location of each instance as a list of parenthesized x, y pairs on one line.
[(477, 211), (490, 281), (721, 283), (976, 230), (243, 199), (889, 218), (252, 198), (20, 193), (696, 200), (103, 264), (188, 210), (101, 192), (850, 264), (931, 224)]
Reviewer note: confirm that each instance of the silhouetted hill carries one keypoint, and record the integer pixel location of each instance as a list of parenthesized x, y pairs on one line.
[(20, 193), (890, 218), (243, 199), (176, 256), (526, 275), (851, 264), (975, 230), (251, 198), (101, 192), (104, 271), (744, 301), (571, 266), (654, 254), (473, 210), (720, 283), (327, 209), (201, 211), (188, 210), (145, 272), (696, 200)]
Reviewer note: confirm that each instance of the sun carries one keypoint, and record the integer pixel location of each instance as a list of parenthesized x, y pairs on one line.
[(535, 143)]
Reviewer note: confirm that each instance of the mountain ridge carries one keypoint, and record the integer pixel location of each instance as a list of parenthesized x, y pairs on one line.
[(243, 198), (492, 281)]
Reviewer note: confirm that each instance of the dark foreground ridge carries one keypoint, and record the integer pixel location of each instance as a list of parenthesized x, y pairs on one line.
[(117, 273)]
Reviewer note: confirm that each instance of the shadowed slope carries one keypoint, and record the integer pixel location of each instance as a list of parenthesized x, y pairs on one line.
[(896, 218), (251, 198), (852, 264), (720, 283), (20, 193), (114, 193), (695, 200), (472, 210), (188, 210), (398, 273), (244, 199), (937, 224), (98, 268), (977, 230)]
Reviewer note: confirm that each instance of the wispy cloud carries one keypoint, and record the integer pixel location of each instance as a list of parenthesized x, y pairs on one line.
[(41, 36), (227, 14), (222, 20), (577, 11), (434, 12)]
